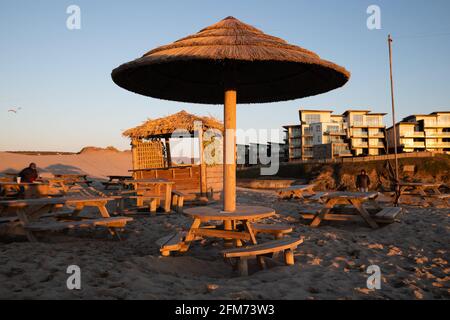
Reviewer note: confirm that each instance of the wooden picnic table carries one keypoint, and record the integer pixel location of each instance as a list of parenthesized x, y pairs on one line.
[(141, 186), (30, 212), (25, 190), (116, 181), (297, 191), (244, 214), (355, 199), (418, 188), (74, 178), (119, 178)]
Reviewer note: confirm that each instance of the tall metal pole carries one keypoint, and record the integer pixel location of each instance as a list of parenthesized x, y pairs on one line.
[(394, 128)]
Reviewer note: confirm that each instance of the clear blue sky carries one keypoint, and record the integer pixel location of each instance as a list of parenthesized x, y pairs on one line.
[(61, 78)]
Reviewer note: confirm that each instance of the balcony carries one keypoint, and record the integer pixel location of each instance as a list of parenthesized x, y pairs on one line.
[(416, 134), (376, 145), (336, 133), (360, 134), (438, 135), (358, 124), (376, 135), (416, 145), (360, 145), (438, 145)]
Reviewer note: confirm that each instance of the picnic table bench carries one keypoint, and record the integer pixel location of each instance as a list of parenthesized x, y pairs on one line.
[(417, 188), (278, 230), (260, 251), (354, 199), (298, 191), (30, 213)]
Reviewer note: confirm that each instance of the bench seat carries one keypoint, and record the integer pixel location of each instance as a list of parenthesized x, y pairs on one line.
[(173, 242), (113, 222), (278, 230), (286, 245), (388, 215)]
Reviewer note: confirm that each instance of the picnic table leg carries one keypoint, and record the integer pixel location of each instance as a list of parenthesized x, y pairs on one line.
[(249, 229), (105, 214), (323, 212), (421, 191), (375, 204), (398, 195), (436, 191), (363, 212), (24, 219), (167, 197), (190, 236)]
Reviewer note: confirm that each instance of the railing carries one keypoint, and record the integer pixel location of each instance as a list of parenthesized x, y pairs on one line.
[(438, 145), (377, 135), (439, 135), (360, 134), (412, 135), (336, 132), (360, 145), (378, 144)]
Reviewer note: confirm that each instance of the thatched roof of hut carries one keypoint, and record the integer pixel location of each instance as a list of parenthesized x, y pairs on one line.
[(163, 127), (264, 68)]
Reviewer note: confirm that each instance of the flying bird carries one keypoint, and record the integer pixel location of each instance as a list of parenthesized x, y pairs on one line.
[(14, 110)]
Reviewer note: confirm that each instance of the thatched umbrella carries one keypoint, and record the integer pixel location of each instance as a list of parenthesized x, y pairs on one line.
[(164, 127), (223, 59)]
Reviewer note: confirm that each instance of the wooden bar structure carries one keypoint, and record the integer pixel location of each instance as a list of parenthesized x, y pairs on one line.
[(152, 158)]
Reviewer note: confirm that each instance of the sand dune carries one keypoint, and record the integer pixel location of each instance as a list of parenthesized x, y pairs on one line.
[(96, 164)]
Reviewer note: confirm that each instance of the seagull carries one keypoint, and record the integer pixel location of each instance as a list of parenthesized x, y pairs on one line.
[(14, 110)]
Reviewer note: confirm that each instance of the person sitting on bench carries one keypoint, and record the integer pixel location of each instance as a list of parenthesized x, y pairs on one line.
[(29, 174)]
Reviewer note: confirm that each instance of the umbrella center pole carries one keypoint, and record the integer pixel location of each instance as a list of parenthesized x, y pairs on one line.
[(229, 158), (229, 154)]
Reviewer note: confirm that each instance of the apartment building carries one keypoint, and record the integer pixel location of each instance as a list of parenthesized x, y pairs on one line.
[(422, 132), (355, 132), (282, 150), (366, 132), (293, 137)]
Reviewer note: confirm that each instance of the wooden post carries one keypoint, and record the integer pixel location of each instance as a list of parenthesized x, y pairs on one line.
[(134, 154), (199, 131), (169, 156), (394, 129), (229, 154)]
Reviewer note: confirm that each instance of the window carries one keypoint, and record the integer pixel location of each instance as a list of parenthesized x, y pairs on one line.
[(312, 118), (373, 121), (333, 128), (358, 119)]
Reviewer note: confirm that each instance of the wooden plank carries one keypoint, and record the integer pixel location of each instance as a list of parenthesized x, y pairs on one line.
[(271, 228), (263, 248), (388, 213), (54, 226), (224, 234)]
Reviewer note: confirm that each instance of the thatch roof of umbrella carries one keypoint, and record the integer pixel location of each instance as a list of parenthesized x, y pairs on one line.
[(164, 127), (264, 68)]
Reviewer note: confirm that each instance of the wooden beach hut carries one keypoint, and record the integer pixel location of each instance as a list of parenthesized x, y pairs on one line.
[(151, 152)]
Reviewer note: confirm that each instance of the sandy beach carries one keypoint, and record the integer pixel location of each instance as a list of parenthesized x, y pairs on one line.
[(331, 264)]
